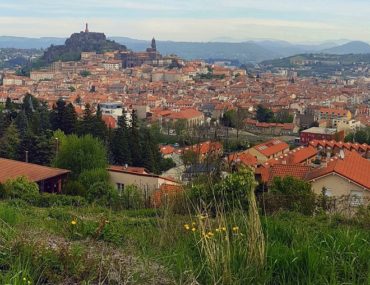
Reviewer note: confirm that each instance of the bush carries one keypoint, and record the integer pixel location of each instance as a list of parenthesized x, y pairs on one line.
[(132, 198), (21, 188), (229, 193), (74, 188), (291, 194), (92, 176), (51, 200), (103, 193)]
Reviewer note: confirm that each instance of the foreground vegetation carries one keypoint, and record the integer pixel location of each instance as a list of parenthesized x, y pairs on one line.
[(95, 245)]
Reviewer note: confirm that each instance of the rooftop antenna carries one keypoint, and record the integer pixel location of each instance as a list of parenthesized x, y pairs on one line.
[(87, 28)]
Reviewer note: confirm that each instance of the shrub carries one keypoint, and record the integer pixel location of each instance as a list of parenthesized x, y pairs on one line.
[(229, 193), (51, 200), (20, 187), (292, 194), (103, 193), (92, 176), (74, 188), (132, 198)]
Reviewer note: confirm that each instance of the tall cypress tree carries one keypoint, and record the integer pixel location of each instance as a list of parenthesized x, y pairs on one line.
[(69, 120), (22, 123), (9, 142), (134, 141), (119, 144)]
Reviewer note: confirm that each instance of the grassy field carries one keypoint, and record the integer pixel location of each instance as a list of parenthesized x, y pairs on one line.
[(94, 245)]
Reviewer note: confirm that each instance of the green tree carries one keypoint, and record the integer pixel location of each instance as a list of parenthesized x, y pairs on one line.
[(20, 188), (264, 114), (9, 142), (119, 144), (135, 141), (294, 194), (22, 123), (80, 153)]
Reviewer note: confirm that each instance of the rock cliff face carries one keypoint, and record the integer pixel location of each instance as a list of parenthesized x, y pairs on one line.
[(80, 42)]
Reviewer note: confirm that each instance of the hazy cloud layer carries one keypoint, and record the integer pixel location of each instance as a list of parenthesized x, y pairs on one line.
[(197, 20)]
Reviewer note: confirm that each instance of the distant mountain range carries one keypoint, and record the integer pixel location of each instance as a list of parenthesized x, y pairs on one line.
[(219, 49)]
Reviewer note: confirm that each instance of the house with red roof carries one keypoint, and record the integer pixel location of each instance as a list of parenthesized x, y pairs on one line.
[(122, 176), (346, 175), (269, 150), (48, 179)]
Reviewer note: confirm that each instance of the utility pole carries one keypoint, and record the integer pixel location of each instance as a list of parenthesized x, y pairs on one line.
[(26, 155)]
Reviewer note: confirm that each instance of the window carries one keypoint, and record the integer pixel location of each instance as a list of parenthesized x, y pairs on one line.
[(328, 192), (356, 198), (120, 188)]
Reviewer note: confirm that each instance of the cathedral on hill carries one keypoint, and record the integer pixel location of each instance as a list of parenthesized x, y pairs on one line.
[(151, 56)]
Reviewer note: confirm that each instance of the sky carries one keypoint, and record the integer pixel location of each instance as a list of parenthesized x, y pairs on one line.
[(191, 20)]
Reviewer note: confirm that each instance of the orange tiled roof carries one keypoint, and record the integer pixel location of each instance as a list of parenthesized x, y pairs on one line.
[(11, 169), (167, 149), (353, 167), (244, 158), (271, 147), (283, 170)]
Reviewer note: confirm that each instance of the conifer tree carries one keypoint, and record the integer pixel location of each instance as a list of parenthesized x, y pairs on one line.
[(134, 141), (9, 142)]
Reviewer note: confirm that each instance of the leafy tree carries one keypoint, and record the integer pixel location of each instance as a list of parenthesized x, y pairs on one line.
[(9, 142), (89, 177), (264, 114), (9, 104), (180, 126), (294, 194), (80, 153), (85, 73), (229, 119)]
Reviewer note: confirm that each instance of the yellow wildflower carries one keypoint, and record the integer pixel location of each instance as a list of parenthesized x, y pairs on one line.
[(210, 234), (223, 229), (24, 279), (74, 222), (193, 229), (218, 230), (235, 229), (187, 227)]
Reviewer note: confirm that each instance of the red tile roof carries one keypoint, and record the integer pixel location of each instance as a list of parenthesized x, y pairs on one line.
[(341, 145), (167, 149), (11, 169), (244, 158), (283, 170), (353, 167), (272, 147), (186, 114)]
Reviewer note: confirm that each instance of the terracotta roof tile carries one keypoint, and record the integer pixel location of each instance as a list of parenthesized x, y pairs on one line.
[(10, 169), (354, 167)]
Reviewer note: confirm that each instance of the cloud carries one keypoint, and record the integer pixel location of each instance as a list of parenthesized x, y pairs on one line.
[(197, 20)]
